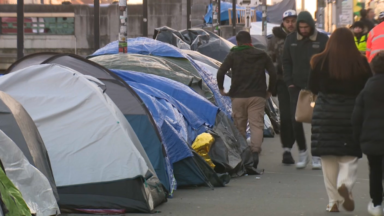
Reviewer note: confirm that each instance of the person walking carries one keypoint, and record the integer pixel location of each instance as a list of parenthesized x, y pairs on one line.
[(338, 75), (368, 127), (248, 90), (275, 50), (375, 42), (361, 36), (299, 47)]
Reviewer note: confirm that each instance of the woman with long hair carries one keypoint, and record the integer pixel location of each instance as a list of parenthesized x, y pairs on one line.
[(338, 74)]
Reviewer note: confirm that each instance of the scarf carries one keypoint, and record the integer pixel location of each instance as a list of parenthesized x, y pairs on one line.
[(242, 47)]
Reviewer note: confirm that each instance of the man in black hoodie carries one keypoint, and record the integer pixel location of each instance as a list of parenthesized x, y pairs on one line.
[(275, 51), (299, 48)]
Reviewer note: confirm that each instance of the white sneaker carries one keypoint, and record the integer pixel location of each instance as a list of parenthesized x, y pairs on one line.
[(303, 160), (375, 211), (316, 163)]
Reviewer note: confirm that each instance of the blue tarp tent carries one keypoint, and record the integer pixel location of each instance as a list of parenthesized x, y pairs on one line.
[(177, 123), (224, 16), (146, 46)]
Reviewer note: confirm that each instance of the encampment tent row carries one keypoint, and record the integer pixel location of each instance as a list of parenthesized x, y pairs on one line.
[(118, 133)]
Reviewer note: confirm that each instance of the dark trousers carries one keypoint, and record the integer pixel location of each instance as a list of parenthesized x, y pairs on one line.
[(297, 126), (375, 178), (287, 135)]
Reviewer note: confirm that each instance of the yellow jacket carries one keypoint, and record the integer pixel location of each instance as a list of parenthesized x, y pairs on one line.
[(362, 43)]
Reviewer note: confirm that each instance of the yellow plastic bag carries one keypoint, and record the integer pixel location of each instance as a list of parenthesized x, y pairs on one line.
[(202, 145)]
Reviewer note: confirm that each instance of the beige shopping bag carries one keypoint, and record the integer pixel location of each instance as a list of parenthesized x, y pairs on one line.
[(305, 105)]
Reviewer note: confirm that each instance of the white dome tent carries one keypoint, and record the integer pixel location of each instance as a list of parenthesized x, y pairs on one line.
[(94, 161)]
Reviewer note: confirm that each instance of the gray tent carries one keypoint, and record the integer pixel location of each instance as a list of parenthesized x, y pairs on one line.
[(16, 123), (149, 142)]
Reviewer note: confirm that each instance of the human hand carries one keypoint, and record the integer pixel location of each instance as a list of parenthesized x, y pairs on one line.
[(269, 94), (222, 92)]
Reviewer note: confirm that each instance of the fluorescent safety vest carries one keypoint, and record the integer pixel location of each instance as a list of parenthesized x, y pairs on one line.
[(375, 42), (362, 43)]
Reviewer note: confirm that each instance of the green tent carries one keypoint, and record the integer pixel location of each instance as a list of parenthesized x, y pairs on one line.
[(12, 202), (177, 69)]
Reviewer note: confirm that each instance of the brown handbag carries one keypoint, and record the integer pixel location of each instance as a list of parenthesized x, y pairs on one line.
[(305, 105)]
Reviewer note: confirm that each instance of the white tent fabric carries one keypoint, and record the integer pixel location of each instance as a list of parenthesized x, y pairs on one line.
[(33, 185), (81, 127)]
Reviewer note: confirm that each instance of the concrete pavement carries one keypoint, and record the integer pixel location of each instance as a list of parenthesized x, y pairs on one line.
[(282, 190)]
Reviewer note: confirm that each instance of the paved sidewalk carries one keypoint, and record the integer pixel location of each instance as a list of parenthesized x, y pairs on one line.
[(281, 191)]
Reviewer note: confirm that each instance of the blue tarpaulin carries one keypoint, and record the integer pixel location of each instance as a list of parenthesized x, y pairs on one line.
[(144, 46), (188, 118), (198, 104), (224, 12)]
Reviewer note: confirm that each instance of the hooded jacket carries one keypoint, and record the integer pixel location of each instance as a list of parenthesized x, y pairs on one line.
[(248, 66), (276, 47), (298, 51)]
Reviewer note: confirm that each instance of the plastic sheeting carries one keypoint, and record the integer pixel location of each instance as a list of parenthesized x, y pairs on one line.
[(34, 186), (199, 40), (85, 141)]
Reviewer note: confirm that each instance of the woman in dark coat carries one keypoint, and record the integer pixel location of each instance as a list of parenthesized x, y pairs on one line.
[(338, 74), (368, 127)]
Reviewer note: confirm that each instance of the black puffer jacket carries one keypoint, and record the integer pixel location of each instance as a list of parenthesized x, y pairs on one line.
[(331, 126), (368, 117), (331, 123)]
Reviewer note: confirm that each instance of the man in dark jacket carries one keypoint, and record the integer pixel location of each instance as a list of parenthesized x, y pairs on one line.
[(368, 127), (248, 89), (275, 50), (299, 48)]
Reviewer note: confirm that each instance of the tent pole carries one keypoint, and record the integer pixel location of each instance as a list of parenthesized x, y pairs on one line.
[(96, 17), (234, 19), (20, 29), (189, 8)]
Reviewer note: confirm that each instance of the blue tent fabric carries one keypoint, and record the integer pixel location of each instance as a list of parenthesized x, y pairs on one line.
[(200, 106), (144, 46), (224, 12), (223, 102)]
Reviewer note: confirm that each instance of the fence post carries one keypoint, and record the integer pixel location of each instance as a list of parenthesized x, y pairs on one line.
[(145, 18), (20, 29), (234, 17), (96, 17), (189, 8)]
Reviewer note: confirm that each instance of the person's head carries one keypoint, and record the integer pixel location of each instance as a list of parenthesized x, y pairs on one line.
[(289, 20), (370, 14), (381, 17), (305, 24), (358, 27), (243, 37), (344, 59), (377, 63)]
